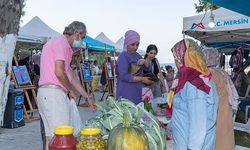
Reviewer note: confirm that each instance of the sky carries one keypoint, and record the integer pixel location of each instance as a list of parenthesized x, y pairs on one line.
[(158, 22)]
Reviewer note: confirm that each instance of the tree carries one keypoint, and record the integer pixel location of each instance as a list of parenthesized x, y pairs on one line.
[(204, 6), (11, 12)]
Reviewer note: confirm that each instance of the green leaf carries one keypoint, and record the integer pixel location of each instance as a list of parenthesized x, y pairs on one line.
[(151, 141)]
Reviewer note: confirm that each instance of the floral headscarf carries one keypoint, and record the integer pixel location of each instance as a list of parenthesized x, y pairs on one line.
[(192, 65), (212, 56)]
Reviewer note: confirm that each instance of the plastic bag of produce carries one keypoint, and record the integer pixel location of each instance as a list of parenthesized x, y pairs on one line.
[(75, 118), (145, 114), (159, 105)]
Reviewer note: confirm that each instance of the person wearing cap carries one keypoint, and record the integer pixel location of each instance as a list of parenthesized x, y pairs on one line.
[(129, 85), (57, 84)]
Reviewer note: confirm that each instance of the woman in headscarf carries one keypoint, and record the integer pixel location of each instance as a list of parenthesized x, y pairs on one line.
[(129, 85), (227, 97), (195, 101)]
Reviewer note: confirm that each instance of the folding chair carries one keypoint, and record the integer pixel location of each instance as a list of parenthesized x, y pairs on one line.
[(246, 112), (244, 127)]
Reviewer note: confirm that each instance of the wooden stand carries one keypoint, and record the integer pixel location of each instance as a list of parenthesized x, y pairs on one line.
[(109, 79), (87, 84), (28, 112), (109, 84)]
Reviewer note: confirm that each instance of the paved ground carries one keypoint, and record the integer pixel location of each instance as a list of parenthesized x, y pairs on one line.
[(28, 137)]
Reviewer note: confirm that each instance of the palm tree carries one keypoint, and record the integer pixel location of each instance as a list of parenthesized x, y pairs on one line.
[(11, 12)]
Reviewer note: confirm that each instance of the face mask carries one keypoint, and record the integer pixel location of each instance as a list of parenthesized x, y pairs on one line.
[(77, 43)]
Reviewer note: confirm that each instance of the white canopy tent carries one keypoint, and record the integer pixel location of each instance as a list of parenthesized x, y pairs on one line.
[(231, 30), (120, 43), (229, 27), (36, 30), (103, 38)]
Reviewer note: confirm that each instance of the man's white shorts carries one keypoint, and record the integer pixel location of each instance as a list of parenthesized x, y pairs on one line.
[(53, 106)]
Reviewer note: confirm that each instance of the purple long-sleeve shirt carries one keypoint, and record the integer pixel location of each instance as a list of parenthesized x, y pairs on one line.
[(126, 87)]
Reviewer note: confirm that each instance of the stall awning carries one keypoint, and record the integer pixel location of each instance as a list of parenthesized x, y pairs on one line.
[(96, 45), (240, 6)]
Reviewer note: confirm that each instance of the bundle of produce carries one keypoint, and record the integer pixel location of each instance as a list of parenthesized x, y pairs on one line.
[(110, 114)]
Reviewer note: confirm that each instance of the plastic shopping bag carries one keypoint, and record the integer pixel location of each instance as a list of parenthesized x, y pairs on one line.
[(159, 105), (145, 114), (75, 118)]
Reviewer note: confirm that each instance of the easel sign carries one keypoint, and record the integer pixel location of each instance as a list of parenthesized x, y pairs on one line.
[(87, 72), (21, 75), (109, 70), (85, 75), (22, 80), (110, 79)]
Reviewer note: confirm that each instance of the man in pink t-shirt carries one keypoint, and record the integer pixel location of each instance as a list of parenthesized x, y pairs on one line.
[(57, 80)]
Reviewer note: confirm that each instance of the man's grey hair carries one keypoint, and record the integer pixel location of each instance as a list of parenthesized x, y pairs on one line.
[(75, 26)]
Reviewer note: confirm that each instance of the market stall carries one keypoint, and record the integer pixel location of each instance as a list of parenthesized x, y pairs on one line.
[(37, 30), (230, 27), (230, 32)]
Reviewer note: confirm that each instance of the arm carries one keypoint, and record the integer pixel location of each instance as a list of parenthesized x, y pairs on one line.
[(76, 84), (123, 66), (160, 74), (61, 75), (197, 111)]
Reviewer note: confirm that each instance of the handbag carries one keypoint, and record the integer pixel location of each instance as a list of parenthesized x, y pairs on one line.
[(134, 69), (152, 77)]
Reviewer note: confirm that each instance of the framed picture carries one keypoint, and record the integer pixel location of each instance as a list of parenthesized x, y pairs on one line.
[(87, 72), (109, 70), (21, 75)]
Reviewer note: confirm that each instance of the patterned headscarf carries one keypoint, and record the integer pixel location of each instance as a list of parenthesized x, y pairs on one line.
[(130, 38), (192, 65), (212, 56), (188, 53), (179, 51)]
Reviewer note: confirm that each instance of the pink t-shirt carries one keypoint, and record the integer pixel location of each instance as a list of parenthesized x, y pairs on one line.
[(57, 48)]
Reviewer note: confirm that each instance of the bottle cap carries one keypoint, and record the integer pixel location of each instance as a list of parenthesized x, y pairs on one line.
[(63, 130), (90, 131)]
